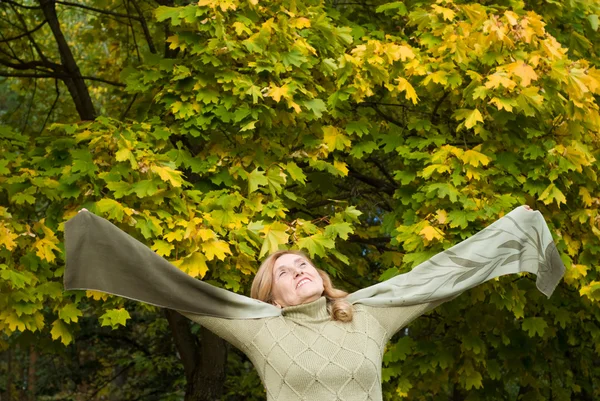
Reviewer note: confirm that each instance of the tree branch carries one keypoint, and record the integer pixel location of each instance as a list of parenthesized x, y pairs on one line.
[(97, 10), (59, 76), (147, 34), (24, 34), (14, 3), (374, 182), (383, 170)]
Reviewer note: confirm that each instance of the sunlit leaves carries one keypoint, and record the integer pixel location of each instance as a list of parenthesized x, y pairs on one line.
[(275, 234), (61, 331), (114, 318)]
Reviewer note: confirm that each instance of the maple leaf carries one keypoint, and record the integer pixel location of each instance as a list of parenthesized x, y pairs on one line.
[(194, 264), (114, 318), (551, 194), (69, 313), (339, 230), (534, 325), (256, 179), (524, 71), (430, 233), (215, 248), (61, 330), (275, 235), (334, 138), (316, 244), (169, 175), (162, 248), (405, 86), (475, 158), (277, 92)]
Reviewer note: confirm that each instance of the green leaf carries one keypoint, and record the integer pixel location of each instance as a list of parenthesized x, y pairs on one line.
[(275, 235), (295, 172), (398, 6), (256, 179), (114, 318), (316, 244), (534, 325), (162, 248), (215, 248), (593, 20), (61, 330), (144, 188), (339, 230), (69, 313), (119, 188), (551, 194), (111, 207), (317, 106)]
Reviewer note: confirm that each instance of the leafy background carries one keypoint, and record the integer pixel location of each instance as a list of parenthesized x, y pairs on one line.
[(371, 135)]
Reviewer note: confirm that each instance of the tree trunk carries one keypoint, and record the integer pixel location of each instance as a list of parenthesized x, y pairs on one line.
[(31, 371), (73, 80), (203, 362)]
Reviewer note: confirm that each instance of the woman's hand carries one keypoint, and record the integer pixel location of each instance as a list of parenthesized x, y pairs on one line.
[(525, 206), (83, 210)]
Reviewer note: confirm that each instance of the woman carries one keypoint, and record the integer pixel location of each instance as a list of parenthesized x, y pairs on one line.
[(307, 340)]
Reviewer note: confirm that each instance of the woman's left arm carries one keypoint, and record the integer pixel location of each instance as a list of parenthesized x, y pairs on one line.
[(518, 242)]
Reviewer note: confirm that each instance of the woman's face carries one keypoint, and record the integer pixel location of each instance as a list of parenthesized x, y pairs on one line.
[(295, 281)]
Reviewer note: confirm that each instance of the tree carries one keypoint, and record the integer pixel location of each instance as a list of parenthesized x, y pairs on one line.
[(371, 137)]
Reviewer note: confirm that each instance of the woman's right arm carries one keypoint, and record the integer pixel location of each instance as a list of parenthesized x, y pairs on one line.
[(104, 258)]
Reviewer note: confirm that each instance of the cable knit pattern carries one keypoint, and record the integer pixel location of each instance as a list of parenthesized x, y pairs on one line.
[(304, 355)]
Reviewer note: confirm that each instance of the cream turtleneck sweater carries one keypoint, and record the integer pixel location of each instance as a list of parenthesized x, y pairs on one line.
[(304, 355)]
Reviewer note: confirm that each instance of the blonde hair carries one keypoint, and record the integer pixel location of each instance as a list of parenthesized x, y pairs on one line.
[(337, 306)]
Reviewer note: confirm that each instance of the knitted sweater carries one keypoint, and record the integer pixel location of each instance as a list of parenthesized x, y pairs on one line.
[(304, 355), (299, 352)]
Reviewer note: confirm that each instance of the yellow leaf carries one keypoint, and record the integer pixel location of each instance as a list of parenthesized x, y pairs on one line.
[(512, 17), (14, 323), (441, 216), (216, 248), (275, 235), (404, 85), (242, 263), (585, 196), (475, 158), (61, 330), (44, 249), (473, 118), (497, 79), (524, 71), (552, 193), (7, 237), (405, 53), (167, 174), (194, 264), (334, 139), (447, 13), (430, 233), (277, 92), (96, 295), (300, 23), (206, 234), (575, 272), (341, 167)]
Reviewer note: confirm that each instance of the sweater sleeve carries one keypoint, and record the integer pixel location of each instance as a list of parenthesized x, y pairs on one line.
[(518, 242), (238, 332), (102, 257), (394, 318)]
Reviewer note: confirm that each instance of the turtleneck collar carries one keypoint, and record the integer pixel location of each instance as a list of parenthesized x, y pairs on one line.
[(315, 310)]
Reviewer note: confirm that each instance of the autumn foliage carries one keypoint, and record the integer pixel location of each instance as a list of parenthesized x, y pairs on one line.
[(371, 136)]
